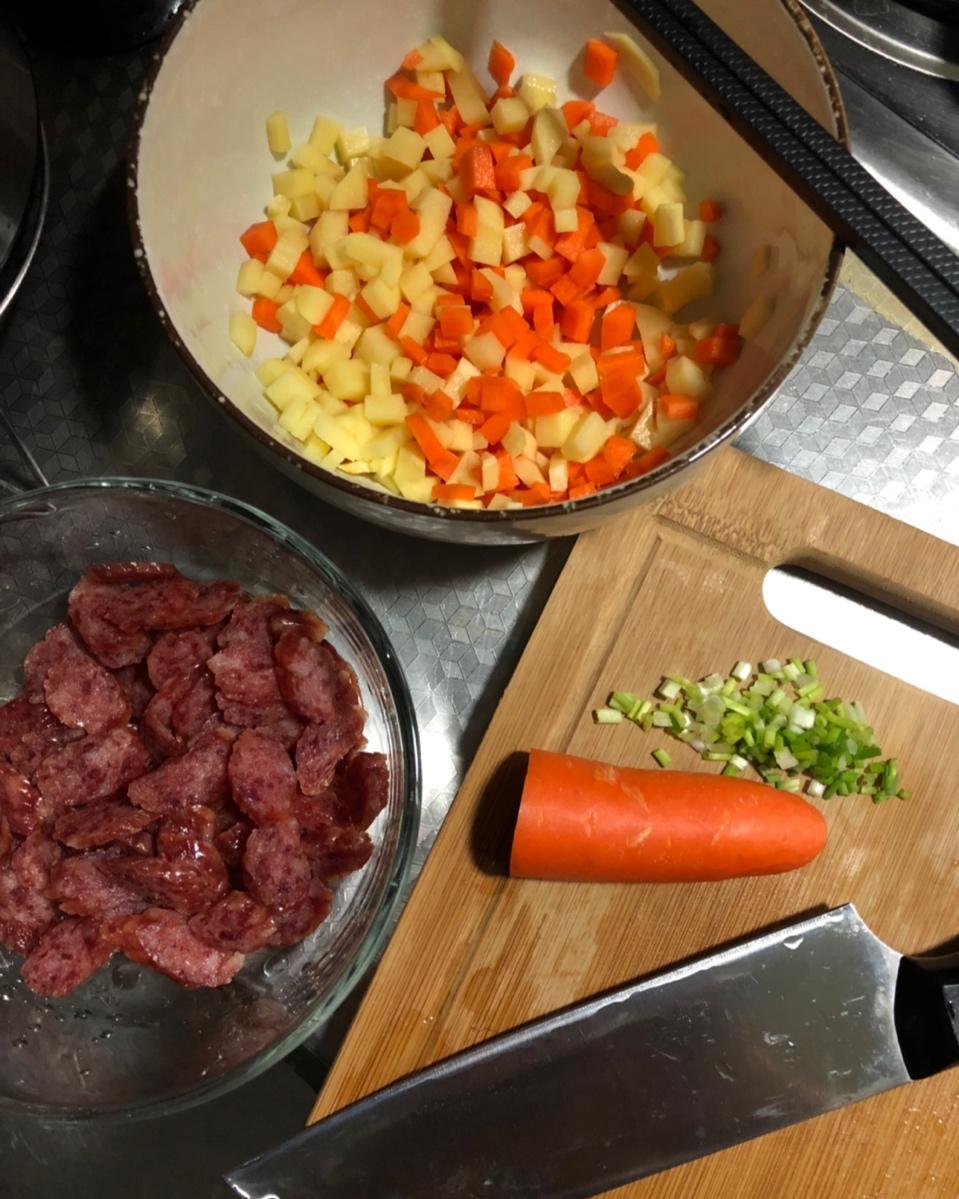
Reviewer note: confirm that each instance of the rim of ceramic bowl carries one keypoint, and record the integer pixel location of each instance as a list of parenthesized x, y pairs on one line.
[(736, 423), (382, 919)]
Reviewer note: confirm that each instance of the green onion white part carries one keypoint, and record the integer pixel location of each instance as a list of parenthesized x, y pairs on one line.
[(778, 721)]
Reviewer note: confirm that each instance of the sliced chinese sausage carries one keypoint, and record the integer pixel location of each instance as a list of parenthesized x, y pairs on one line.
[(89, 606), (287, 730), (25, 912), (137, 686), (178, 832), (164, 941), (20, 802), (322, 746), (275, 867), (131, 572), (44, 736), (197, 711), (234, 923), (151, 603), (231, 842), (198, 778), (18, 717), (214, 602), (243, 667), (177, 656), (309, 676), (361, 788), (81, 888), (100, 822), (315, 811), (34, 859), (262, 777), (66, 956), (79, 692), (186, 885), (292, 927), (93, 768), (297, 620), (337, 850)]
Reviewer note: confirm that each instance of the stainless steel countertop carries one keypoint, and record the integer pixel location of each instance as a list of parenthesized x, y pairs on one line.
[(90, 383)]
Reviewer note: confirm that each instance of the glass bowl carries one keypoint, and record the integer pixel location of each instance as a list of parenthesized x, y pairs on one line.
[(132, 1042)]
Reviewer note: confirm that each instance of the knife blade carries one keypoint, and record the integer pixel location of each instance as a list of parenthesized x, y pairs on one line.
[(765, 1033)]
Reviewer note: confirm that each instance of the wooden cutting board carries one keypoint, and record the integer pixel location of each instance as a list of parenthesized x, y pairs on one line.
[(677, 588)]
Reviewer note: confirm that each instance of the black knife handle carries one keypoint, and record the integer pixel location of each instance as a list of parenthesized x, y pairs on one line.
[(927, 1013)]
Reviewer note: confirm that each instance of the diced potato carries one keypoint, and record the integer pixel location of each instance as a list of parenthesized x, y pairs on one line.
[(503, 294), (415, 182), (268, 286), (415, 280), (297, 352), (668, 225), (243, 332), (487, 245), (356, 468), (379, 378), (654, 168), (540, 247), (286, 253), (467, 470), (293, 384), (521, 372), (316, 449), (489, 472), (501, 503), (433, 208), (289, 224), (338, 435), (455, 385), (278, 133), (514, 243), (417, 325), (433, 81), (349, 333), (268, 372), (352, 191), (293, 326), (278, 206), (405, 114), (440, 254), (437, 171), (693, 237), (460, 435), (298, 418), (310, 158), (439, 143), (320, 355), (549, 133), (385, 410), (343, 283), (352, 143), (519, 441), (616, 257), (436, 54), (313, 303), (468, 96), (637, 64), (400, 369), (324, 134), (348, 379), (643, 263), (392, 118), (296, 182), (630, 224), (376, 346), (428, 380), (248, 279), (386, 441), (554, 430), (536, 91), (558, 473), (588, 437), (652, 324), (690, 283), (420, 492), (527, 471), (566, 220), (686, 377), (756, 316), (331, 405), (325, 186), (401, 153), (330, 227), (485, 351), (517, 203), (582, 371), (306, 208), (567, 155), (665, 432), (510, 115)]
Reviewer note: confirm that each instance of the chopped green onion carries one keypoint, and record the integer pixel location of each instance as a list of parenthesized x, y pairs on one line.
[(741, 671), (669, 689), (662, 757), (608, 716)]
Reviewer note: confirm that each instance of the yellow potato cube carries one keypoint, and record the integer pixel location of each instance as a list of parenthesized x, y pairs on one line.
[(588, 437), (325, 187), (400, 369), (433, 208), (519, 442), (549, 133), (309, 157), (293, 384), (489, 472), (485, 351), (668, 225), (293, 325), (306, 208), (405, 114), (536, 91), (487, 245), (401, 153), (582, 371), (278, 133), (527, 471), (352, 191), (540, 247), (313, 303), (352, 143), (514, 243), (630, 224), (382, 298), (686, 377), (277, 206), (338, 435), (643, 263), (331, 406), (286, 253), (349, 333), (298, 418), (439, 143), (553, 430), (690, 283), (455, 385), (243, 332), (440, 255), (522, 373), (517, 203), (248, 279), (558, 473), (375, 346), (415, 280), (268, 286), (566, 220), (433, 81), (468, 96), (410, 465), (347, 380), (439, 171), (387, 409), (436, 54), (415, 182), (616, 258), (461, 435), (343, 283), (293, 183), (417, 325), (510, 115), (297, 352), (467, 470), (268, 372)]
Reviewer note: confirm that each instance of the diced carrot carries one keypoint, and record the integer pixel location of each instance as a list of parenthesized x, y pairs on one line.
[(711, 248), (397, 321), (404, 227), (425, 118), (441, 364), (388, 202), (718, 351), (619, 452), (566, 290), (646, 462), (498, 394), (440, 459), (413, 349), (359, 222), (306, 271), (455, 320), (507, 172), (600, 123), (710, 210), (472, 416), (576, 322), (412, 60), (500, 64), (450, 492), (676, 407), (577, 111), (542, 225), (622, 396), (602, 299), (624, 362), (481, 290), (554, 360), (259, 240), (601, 199), (494, 427), (522, 348), (545, 272), (532, 212), (617, 326), (451, 120), (587, 268), (461, 246), (544, 403), (507, 473), (581, 821), (599, 62), (476, 168), (407, 89), (599, 472), (466, 220), (581, 490), (439, 406), (500, 151), (667, 346), (647, 144), (335, 316), (531, 296), (413, 393), (264, 313), (529, 497), (507, 326), (543, 321)]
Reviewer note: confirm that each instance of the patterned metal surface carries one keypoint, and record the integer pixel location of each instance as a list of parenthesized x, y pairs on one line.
[(89, 381)]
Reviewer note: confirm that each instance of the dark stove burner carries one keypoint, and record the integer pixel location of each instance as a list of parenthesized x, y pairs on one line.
[(920, 34)]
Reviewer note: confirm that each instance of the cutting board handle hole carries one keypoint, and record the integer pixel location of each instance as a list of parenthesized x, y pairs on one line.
[(869, 630)]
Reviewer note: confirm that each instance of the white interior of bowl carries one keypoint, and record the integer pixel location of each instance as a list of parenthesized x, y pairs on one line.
[(204, 167)]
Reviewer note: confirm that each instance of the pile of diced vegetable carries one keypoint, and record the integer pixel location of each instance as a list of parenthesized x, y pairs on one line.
[(482, 307)]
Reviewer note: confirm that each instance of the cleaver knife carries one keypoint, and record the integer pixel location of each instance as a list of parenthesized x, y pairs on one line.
[(729, 1046)]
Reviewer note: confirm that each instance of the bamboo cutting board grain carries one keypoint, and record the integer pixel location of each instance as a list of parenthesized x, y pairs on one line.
[(678, 588)]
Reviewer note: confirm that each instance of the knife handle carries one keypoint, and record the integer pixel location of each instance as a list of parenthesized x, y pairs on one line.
[(927, 1013)]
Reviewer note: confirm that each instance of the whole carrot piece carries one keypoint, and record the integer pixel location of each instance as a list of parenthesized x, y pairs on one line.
[(586, 821)]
